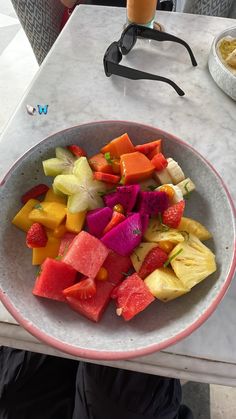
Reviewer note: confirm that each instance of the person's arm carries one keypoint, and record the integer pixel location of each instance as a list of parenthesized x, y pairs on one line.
[(68, 3)]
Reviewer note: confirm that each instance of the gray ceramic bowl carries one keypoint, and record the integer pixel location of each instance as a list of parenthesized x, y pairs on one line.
[(223, 77), (161, 324)]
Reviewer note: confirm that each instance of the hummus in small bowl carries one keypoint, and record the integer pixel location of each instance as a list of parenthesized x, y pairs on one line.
[(222, 61)]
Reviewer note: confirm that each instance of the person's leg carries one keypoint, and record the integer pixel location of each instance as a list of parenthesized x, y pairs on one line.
[(36, 386), (105, 393)]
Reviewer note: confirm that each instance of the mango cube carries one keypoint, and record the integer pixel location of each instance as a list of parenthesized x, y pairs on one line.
[(51, 196), (59, 231), (49, 251), (49, 214), (21, 219), (75, 222)]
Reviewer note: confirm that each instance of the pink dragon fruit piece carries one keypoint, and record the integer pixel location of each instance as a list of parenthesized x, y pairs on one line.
[(144, 220), (97, 220), (124, 195), (152, 203), (127, 235)]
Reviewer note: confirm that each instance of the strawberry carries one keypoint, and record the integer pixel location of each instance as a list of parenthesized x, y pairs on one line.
[(34, 192), (149, 147), (154, 259), (76, 150), (36, 236), (172, 215), (116, 219), (83, 290)]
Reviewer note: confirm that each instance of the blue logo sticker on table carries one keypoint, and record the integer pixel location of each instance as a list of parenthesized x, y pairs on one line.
[(42, 110)]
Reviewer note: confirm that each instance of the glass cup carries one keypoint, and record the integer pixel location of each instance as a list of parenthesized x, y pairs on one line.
[(141, 12)]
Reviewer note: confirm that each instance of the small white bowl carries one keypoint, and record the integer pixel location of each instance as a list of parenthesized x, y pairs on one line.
[(223, 77)]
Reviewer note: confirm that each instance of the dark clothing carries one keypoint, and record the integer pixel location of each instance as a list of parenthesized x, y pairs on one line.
[(110, 393), (34, 386)]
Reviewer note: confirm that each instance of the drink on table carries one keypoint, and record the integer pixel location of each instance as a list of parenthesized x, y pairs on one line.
[(141, 12)]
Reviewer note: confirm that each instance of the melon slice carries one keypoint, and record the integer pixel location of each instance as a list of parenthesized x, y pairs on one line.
[(132, 297), (65, 243), (94, 307), (86, 254), (54, 277)]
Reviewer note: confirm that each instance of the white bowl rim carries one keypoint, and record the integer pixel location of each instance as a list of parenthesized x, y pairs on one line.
[(122, 355), (216, 55)]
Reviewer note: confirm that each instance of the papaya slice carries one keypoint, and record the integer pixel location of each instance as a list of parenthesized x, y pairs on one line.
[(118, 146), (135, 167)]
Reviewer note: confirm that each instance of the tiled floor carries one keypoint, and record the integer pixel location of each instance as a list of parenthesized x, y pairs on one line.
[(17, 68)]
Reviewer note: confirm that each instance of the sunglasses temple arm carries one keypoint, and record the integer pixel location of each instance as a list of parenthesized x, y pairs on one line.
[(164, 36), (131, 73)]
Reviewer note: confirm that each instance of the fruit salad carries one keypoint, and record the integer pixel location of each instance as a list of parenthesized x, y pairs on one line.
[(111, 227)]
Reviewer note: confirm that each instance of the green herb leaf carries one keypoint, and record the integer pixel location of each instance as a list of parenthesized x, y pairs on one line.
[(122, 180), (39, 207), (58, 257), (152, 187), (172, 257), (187, 191), (163, 226), (108, 157), (39, 271), (137, 231), (137, 256)]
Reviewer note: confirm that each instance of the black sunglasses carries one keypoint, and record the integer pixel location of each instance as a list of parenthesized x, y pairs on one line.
[(113, 54)]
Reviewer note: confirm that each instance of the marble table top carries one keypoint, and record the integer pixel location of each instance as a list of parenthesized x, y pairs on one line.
[(72, 82)]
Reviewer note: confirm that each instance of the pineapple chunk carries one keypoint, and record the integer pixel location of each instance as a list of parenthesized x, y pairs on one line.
[(186, 186), (140, 253), (195, 228), (154, 233), (194, 262), (165, 285)]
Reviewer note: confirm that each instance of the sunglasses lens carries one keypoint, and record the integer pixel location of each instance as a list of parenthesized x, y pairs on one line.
[(127, 41), (115, 54), (112, 55)]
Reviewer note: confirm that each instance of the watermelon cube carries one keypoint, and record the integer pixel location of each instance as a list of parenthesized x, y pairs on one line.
[(66, 240), (86, 254), (54, 277), (94, 307), (132, 296)]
